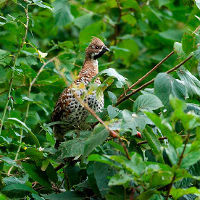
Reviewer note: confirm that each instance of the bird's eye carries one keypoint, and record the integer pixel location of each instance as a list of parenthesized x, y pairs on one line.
[(97, 47)]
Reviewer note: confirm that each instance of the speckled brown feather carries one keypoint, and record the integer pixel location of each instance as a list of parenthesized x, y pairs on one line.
[(68, 109)]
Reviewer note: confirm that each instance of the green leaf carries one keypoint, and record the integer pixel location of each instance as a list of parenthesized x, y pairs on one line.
[(72, 148), (4, 58), (34, 154), (62, 13), (84, 20), (153, 143), (190, 158), (42, 4), (120, 179), (64, 195), (189, 42), (147, 102), (128, 51), (112, 111), (179, 192), (9, 161), (197, 3), (130, 19), (94, 141), (191, 83), (18, 187), (28, 129), (164, 85), (112, 97), (178, 49), (113, 73), (174, 138), (89, 31), (36, 174)]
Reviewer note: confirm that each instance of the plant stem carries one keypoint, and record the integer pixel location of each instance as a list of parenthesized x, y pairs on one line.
[(147, 74), (178, 166), (151, 81), (14, 64), (112, 133)]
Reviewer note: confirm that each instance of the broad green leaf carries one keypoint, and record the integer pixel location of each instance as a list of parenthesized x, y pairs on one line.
[(36, 174), (9, 161), (34, 154), (84, 20), (89, 31), (112, 111), (153, 143), (62, 13), (113, 73), (64, 195), (101, 174), (131, 51), (188, 42), (18, 187), (42, 4), (72, 148), (190, 158), (120, 179), (147, 102), (28, 129), (191, 83), (112, 97), (164, 85), (178, 49), (5, 59), (94, 141), (179, 192), (174, 138), (130, 19)]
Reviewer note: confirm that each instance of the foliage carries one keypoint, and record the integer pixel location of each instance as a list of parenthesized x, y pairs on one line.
[(41, 51)]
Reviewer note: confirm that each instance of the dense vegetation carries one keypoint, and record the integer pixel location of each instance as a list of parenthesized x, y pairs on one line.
[(41, 52)]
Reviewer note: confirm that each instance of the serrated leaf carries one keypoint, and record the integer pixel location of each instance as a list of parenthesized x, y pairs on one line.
[(147, 102)]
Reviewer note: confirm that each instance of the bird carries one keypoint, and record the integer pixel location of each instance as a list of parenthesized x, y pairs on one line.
[(68, 109)]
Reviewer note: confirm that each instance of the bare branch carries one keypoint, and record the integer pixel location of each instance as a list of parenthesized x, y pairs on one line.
[(151, 81), (147, 74)]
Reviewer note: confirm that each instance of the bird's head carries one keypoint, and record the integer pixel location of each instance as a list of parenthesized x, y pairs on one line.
[(96, 49)]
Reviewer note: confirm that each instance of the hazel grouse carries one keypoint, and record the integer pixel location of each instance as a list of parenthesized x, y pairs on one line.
[(68, 109)]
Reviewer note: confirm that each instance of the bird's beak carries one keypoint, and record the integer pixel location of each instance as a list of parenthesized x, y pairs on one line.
[(105, 48)]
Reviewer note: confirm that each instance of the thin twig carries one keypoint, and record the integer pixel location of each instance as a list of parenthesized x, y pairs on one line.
[(41, 69), (112, 133), (21, 46), (147, 74), (160, 138), (14, 63), (178, 166), (151, 81)]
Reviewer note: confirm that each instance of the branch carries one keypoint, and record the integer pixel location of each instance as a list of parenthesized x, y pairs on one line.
[(112, 133), (161, 138), (14, 63), (178, 166), (151, 81), (147, 74)]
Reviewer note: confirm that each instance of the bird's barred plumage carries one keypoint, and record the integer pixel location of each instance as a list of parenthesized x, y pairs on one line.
[(68, 110)]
